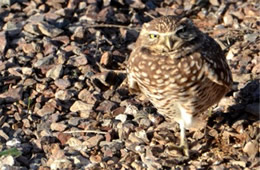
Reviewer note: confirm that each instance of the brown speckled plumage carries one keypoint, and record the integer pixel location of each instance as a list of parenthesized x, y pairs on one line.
[(181, 70)]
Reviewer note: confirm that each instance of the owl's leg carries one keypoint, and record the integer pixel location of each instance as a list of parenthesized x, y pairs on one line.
[(183, 142)]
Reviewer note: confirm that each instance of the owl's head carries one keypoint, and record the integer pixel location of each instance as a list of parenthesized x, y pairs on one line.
[(167, 33)]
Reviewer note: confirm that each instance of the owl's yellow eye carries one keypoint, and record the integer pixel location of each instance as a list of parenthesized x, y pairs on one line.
[(153, 36)]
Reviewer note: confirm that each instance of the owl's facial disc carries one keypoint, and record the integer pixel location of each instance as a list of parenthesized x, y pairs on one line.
[(160, 42)]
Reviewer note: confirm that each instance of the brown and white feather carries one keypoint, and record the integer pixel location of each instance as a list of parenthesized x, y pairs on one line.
[(181, 81)]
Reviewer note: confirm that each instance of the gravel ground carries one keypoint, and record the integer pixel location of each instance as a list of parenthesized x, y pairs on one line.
[(64, 103)]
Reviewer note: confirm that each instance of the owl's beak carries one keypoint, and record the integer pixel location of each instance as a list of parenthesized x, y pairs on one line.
[(168, 42)]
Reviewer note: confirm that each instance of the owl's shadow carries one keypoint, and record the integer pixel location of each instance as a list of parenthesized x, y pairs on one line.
[(246, 106)]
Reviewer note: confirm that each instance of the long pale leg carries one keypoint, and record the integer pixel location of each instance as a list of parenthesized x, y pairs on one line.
[(184, 143)]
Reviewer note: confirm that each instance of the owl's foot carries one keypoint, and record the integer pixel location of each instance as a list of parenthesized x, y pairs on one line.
[(182, 148)]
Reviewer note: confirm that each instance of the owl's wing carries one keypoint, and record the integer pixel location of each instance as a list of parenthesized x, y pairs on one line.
[(217, 69), (132, 84)]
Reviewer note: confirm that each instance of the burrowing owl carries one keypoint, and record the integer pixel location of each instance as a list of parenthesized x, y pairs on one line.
[(181, 70)]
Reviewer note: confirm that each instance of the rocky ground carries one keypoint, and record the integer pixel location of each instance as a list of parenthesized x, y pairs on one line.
[(62, 105)]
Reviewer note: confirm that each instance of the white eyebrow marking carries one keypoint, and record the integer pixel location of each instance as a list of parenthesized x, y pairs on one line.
[(156, 32)]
